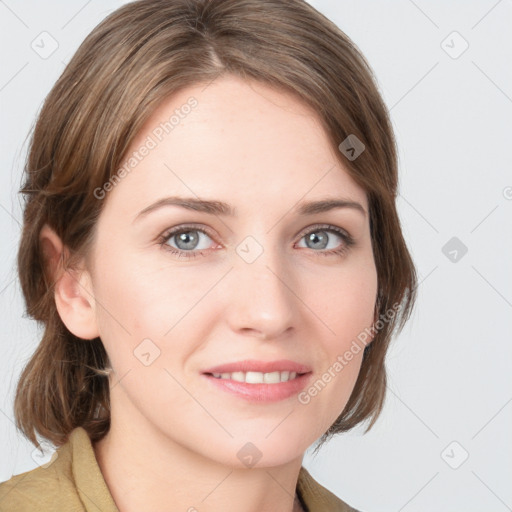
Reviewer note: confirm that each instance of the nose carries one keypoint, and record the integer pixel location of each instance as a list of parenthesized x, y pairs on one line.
[(260, 297)]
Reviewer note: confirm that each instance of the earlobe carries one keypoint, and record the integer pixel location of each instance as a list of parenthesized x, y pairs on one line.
[(73, 291)]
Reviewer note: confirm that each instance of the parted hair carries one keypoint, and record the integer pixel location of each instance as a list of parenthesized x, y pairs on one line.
[(126, 67)]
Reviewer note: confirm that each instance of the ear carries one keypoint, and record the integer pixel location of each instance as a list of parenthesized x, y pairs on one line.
[(73, 291)]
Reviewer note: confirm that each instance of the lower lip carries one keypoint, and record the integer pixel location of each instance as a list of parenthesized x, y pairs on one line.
[(261, 392)]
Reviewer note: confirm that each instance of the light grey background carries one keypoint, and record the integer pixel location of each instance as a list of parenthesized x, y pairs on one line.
[(450, 389)]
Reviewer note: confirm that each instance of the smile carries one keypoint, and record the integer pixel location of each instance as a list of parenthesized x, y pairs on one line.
[(258, 377), (260, 387)]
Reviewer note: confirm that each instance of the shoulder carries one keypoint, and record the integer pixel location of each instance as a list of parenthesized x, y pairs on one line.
[(47, 488), (317, 498)]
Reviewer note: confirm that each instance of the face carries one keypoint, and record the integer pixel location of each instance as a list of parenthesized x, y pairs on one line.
[(179, 291)]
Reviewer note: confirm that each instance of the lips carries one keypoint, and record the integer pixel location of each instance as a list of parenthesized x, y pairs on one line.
[(263, 393), (251, 365)]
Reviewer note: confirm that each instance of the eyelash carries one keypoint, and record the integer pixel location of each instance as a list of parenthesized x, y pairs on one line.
[(164, 238)]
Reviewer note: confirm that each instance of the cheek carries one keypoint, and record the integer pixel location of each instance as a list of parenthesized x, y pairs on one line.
[(141, 298), (346, 305), (348, 299)]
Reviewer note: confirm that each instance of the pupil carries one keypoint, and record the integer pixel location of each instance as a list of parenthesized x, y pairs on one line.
[(189, 240), (315, 239)]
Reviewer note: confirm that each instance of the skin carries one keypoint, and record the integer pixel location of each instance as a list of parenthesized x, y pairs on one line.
[(174, 438)]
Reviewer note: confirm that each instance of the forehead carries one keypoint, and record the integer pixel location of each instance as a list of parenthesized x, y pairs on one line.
[(242, 142)]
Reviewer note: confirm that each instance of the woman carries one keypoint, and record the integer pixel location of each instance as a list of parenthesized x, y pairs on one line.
[(211, 241)]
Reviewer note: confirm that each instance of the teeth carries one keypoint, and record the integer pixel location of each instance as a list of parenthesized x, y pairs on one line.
[(258, 377)]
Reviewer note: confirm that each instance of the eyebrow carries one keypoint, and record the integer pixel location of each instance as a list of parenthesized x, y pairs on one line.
[(223, 209)]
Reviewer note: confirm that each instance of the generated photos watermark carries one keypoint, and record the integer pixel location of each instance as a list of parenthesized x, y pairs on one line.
[(151, 142), (342, 360)]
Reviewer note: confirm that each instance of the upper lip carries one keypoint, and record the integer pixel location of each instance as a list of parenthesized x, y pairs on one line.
[(251, 365)]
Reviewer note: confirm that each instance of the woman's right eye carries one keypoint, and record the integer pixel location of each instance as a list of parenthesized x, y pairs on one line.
[(186, 240)]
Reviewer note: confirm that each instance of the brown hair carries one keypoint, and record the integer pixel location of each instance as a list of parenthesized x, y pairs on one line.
[(138, 56)]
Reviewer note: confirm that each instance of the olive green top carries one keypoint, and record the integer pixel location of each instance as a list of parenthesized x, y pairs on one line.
[(73, 482)]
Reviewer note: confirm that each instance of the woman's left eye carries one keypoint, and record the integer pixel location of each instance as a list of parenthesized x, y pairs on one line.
[(188, 240), (320, 236)]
